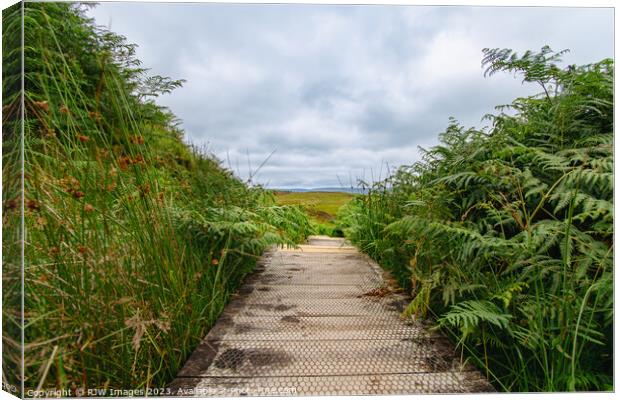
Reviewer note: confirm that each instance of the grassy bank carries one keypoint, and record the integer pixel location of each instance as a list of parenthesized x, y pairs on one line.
[(505, 236), (134, 240), (321, 207)]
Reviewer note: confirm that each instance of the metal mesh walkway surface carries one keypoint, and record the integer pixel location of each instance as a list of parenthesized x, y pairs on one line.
[(320, 320)]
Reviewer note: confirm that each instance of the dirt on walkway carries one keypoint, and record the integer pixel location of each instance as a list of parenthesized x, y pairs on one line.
[(321, 320)]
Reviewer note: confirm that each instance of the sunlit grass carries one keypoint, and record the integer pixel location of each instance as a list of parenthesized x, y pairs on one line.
[(322, 207)]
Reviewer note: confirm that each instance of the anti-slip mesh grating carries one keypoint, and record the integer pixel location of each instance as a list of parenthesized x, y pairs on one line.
[(384, 384), (327, 357), (261, 293), (303, 307), (316, 321), (292, 278), (290, 327), (324, 258), (309, 269), (328, 242)]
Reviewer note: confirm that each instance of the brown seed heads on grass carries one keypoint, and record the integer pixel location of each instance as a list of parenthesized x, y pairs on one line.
[(137, 139), (72, 186), (144, 189), (94, 115), (124, 161), (11, 204), (89, 208), (43, 105), (63, 109), (41, 222), (139, 159), (102, 154), (83, 138), (33, 205), (83, 250), (161, 197)]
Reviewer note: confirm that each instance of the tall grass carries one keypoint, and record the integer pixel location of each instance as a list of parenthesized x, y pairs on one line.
[(11, 208), (134, 241), (505, 236)]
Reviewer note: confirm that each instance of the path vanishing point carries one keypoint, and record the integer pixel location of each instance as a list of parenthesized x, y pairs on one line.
[(322, 320)]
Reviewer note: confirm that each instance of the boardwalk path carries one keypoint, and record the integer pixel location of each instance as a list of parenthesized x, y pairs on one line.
[(319, 320)]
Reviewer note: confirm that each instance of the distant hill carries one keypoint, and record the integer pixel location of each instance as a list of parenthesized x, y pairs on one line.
[(324, 189)]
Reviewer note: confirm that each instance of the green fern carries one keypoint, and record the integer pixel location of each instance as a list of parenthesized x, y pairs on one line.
[(468, 316), (505, 235)]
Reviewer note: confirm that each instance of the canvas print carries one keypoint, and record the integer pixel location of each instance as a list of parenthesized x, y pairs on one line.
[(218, 199)]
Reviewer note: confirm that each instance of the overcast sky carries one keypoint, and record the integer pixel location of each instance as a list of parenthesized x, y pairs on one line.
[(338, 91)]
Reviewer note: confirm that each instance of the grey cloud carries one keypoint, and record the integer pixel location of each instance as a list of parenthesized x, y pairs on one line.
[(338, 90)]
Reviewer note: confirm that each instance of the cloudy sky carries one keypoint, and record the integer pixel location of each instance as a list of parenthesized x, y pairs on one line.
[(338, 91)]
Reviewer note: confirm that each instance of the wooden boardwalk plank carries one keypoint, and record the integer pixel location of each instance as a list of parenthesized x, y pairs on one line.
[(320, 320)]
